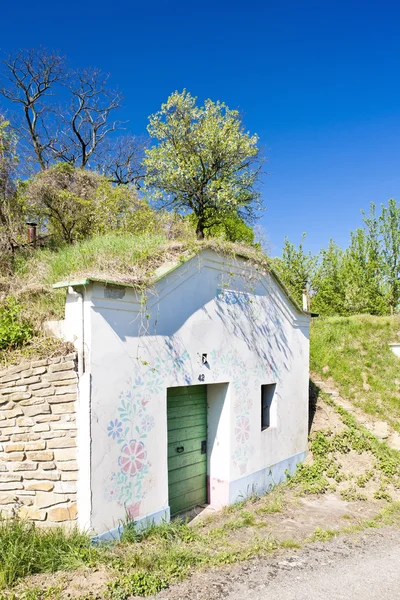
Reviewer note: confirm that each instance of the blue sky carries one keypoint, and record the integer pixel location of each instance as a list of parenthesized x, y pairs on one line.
[(319, 82)]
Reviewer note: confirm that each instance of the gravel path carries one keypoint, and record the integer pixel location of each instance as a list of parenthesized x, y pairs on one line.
[(362, 567)]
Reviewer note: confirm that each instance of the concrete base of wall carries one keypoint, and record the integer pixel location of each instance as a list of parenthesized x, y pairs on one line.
[(265, 480), (113, 535)]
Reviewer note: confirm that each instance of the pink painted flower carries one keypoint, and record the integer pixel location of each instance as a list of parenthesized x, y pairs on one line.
[(242, 429), (133, 510), (133, 457)]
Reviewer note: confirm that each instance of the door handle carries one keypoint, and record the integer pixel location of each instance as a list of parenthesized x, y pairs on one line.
[(180, 449), (204, 447)]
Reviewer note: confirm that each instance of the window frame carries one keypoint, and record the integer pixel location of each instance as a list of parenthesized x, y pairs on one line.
[(268, 391)]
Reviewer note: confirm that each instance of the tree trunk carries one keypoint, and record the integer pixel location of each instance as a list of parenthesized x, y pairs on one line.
[(200, 229)]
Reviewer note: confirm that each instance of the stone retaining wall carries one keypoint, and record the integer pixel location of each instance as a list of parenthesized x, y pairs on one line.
[(38, 468)]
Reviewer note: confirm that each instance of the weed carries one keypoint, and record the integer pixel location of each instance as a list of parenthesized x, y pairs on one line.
[(322, 535), (351, 494), (138, 583)]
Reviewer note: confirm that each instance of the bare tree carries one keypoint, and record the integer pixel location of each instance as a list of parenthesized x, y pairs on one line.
[(87, 122), (32, 76), (122, 161)]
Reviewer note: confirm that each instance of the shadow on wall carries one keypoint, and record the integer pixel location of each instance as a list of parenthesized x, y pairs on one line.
[(257, 319), (312, 403)]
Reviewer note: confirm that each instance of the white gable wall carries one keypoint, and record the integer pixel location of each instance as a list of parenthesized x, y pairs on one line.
[(140, 346)]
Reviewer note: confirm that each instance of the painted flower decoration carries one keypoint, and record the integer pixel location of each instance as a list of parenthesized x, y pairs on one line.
[(147, 423), (133, 457), (242, 429), (133, 510), (114, 429)]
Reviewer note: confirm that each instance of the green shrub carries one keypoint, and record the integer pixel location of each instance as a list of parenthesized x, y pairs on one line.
[(15, 331)]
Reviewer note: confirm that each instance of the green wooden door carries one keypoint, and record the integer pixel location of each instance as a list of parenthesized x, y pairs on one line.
[(187, 454)]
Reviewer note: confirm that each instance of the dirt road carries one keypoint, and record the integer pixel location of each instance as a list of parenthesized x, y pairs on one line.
[(361, 567)]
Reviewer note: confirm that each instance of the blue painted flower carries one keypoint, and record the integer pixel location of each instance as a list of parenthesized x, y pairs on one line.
[(147, 423), (114, 429)]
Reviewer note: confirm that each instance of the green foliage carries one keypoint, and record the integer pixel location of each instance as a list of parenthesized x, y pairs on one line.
[(362, 279), (204, 161), (15, 331), (138, 583), (25, 550), (296, 268), (232, 228)]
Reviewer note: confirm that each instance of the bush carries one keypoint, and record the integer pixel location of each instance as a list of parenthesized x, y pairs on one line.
[(15, 331)]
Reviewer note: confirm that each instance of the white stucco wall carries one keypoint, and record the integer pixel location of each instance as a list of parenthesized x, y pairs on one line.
[(141, 345)]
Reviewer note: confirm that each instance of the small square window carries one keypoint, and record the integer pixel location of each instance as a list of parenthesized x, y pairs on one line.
[(267, 396)]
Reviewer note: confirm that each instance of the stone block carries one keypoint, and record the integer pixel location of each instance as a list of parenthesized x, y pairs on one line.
[(44, 392), (48, 466), (41, 427), (62, 442), (64, 382), (70, 375), (24, 466), (15, 397), (14, 369), (29, 380), (65, 454), (62, 409), (39, 363), (7, 499), (69, 465), (6, 477), (33, 372), (25, 437), (60, 515), (19, 447), (40, 486), (9, 377), (65, 487), (69, 476), (40, 456), (63, 366), (13, 456), (13, 390), (62, 398), (64, 425), (32, 514), (42, 476), (40, 386), (46, 499), (33, 411), (48, 435), (47, 419), (9, 486), (34, 401), (14, 412), (25, 422), (33, 446)]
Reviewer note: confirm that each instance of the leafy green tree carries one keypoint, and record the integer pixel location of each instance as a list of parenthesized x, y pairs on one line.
[(389, 222), (296, 268), (328, 284), (362, 276), (204, 162)]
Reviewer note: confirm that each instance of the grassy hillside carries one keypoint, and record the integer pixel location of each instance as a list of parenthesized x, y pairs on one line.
[(354, 351)]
